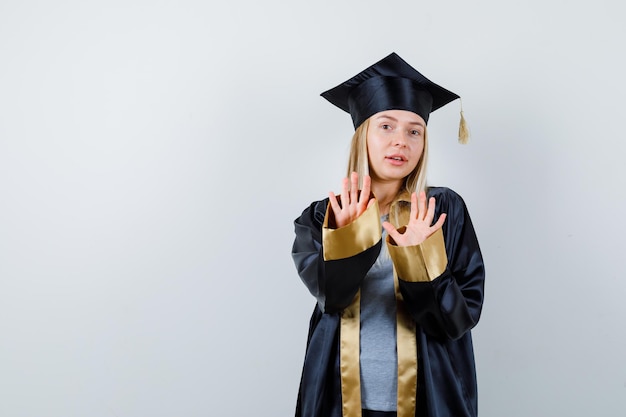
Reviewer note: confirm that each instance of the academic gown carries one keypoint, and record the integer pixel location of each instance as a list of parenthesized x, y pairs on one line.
[(444, 309)]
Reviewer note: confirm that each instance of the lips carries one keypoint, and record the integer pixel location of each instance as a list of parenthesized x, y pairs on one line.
[(398, 158)]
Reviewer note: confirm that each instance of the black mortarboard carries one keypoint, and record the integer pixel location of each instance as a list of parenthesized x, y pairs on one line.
[(389, 84)]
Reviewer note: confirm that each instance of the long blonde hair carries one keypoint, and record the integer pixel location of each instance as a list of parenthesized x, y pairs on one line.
[(358, 161)]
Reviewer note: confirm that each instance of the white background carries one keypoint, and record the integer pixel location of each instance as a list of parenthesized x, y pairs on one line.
[(153, 155)]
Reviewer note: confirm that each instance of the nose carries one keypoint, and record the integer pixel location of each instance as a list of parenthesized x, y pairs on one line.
[(399, 139)]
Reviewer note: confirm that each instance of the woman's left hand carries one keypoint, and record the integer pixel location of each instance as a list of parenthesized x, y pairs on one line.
[(419, 227)]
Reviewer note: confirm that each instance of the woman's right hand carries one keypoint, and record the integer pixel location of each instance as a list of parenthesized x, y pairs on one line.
[(353, 203)]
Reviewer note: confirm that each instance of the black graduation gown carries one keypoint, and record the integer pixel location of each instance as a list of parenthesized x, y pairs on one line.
[(444, 309)]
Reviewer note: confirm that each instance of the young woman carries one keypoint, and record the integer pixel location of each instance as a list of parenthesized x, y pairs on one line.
[(395, 266)]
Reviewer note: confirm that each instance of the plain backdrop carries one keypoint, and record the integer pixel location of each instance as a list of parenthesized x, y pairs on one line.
[(154, 154)]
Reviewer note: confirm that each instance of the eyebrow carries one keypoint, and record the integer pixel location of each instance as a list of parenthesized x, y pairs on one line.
[(395, 120)]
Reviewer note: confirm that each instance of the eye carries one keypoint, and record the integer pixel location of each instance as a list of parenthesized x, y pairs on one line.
[(385, 127), (415, 132)]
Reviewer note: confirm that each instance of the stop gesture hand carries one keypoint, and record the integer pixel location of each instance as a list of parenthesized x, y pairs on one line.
[(353, 203), (419, 227)]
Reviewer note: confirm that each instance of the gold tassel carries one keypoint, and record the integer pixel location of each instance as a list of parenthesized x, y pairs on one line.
[(463, 129)]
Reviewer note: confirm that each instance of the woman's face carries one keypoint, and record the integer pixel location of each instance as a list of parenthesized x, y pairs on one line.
[(395, 142)]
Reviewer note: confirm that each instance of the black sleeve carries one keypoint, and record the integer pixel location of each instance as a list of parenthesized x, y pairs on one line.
[(333, 283), (450, 305)]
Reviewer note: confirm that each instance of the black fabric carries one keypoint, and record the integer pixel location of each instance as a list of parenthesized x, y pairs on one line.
[(371, 413), (444, 311), (389, 84)]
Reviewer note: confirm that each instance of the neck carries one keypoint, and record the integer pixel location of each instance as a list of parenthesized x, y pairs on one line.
[(385, 193)]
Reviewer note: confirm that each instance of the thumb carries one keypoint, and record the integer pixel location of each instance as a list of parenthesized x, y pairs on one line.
[(391, 230)]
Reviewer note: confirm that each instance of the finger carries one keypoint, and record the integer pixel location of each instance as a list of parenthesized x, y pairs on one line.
[(364, 197), (439, 223), (354, 192), (365, 192), (414, 209), (345, 199), (334, 205), (422, 205), (391, 231), (430, 213), (354, 188)]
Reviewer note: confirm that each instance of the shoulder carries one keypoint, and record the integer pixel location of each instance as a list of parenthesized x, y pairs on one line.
[(446, 196), (314, 213), (450, 202)]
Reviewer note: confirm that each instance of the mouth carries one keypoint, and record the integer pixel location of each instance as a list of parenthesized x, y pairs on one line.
[(398, 158)]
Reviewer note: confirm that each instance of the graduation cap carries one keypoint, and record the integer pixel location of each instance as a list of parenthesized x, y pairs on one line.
[(391, 84)]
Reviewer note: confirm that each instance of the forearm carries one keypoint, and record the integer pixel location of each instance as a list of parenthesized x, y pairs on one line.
[(333, 262)]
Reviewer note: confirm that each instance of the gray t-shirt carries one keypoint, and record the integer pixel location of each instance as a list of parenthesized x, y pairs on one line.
[(379, 363)]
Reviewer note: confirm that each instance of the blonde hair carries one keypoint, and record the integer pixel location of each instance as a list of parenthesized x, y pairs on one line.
[(358, 161)]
